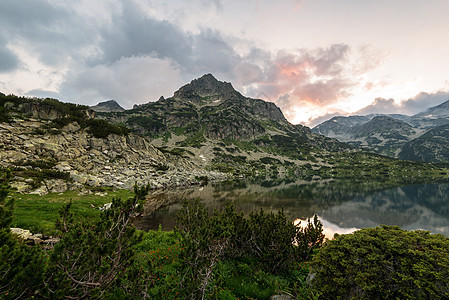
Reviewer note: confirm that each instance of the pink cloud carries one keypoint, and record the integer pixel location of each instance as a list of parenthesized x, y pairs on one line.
[(306, 77)]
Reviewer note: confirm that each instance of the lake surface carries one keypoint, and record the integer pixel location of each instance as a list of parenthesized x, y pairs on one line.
[(342, 206)]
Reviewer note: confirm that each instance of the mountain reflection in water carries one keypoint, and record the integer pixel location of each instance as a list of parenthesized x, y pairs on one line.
[(342, 206)]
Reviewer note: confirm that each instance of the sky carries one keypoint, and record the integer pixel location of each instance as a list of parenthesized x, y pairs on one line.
[(313, 58)]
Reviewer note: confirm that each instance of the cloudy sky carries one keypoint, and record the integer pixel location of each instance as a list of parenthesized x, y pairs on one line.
[(313, 58)]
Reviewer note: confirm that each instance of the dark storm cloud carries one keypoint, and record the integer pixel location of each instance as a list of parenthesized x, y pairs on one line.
[(50, 32), (423, 101), (24, 15), (132, 33), (211, 51), (411, 106), (23, 20), (379, 106), (8, 60)]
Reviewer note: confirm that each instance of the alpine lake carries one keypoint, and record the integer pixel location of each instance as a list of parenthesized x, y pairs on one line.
[(343, 206)]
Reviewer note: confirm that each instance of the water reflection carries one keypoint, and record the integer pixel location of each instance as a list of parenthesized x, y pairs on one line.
[(342, 206)]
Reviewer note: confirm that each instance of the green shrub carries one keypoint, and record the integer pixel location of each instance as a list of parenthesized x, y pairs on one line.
[(265, 239), (91, 258), (101, 128), (271, 239), (4, 116), (309, 238), (383, 263), (204, 242), (21, 267)]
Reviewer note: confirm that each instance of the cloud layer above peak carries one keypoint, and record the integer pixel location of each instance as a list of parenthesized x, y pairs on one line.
[(135, 51)]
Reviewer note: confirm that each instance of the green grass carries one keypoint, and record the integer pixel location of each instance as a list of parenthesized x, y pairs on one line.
[(39, 213)]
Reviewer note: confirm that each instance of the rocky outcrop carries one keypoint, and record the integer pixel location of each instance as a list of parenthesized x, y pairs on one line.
[(44, 111), (46, 242), (117, 161), (206, 89)]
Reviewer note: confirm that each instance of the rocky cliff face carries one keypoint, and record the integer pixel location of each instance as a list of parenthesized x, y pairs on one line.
[(206, 105)]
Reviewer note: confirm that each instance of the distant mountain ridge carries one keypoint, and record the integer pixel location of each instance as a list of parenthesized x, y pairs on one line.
[(107, 106), (394, 134)]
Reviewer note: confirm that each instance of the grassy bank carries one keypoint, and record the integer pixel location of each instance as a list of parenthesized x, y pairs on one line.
[(39, 213)]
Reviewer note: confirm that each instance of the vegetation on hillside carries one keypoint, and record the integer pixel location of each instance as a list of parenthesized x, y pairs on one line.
[(12, 103), (60, 113)]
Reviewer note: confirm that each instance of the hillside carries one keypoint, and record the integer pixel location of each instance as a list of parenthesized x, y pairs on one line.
[(431, 146), (205, 131), (53, 146)]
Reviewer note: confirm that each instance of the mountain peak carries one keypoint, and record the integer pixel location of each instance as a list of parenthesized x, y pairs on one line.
[(107, 106), (205, 87), (435, 112)]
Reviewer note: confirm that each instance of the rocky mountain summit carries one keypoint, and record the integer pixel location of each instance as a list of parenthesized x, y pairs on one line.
[(206, 105), (211, 123), (395, 135), (107, 106)]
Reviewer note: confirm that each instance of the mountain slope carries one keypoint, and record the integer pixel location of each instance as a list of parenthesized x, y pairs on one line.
[(340, 128), (431, 146), (53, 146), (383, 135), (206, 104), (206, 131), (380, 133), (432, 117)]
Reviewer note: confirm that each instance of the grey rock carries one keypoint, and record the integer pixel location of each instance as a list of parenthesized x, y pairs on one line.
[(22, 233), (281, 297)]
